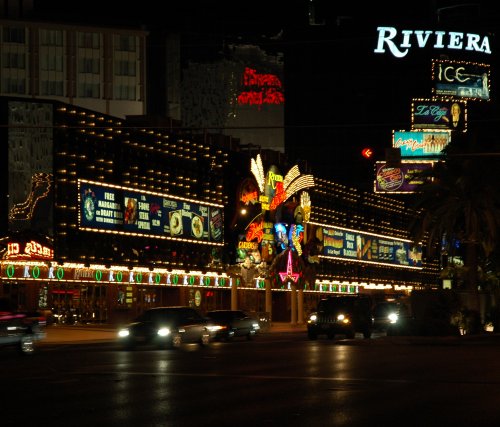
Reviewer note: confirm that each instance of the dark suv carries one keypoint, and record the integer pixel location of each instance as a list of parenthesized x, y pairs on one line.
[(343, 315), (166, 327)]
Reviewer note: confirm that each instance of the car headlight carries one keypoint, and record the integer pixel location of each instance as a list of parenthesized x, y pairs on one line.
[(393, 317), (123, 333), (343, 318), (215, 328), (256, 326), (313, 318), (163, 332)]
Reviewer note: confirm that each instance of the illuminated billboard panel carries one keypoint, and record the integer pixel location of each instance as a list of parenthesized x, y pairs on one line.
[(439, 114), (420, 143), (364, 247), (106, 207), (403, 179), (461, 79)]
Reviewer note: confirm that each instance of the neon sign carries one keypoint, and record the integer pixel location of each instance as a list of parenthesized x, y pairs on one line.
[(289, 274), (263, 89), (442, 39), (30, 250)]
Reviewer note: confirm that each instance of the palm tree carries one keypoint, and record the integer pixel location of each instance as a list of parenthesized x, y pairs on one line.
[(461, 205)]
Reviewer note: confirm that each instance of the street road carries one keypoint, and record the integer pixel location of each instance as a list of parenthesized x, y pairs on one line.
[(279, 379)]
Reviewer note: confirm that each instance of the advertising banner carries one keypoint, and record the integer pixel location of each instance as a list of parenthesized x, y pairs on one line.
[(434, 114), (403, 179), (461, 79), (353, 245), (126, 210), (421, 143)]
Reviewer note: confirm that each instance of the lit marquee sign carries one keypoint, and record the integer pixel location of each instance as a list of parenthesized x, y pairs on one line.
[(435, 114), (403, 179), (400, 42), (106, 207), (420, 143), (363, 247), (460, 79)]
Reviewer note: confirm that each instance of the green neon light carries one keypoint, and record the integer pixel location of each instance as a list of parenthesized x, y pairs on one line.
[(222, 281), (191, 280), (10, 271), (138, 277), (206, 281), (36, 272), (60, 273), (175, 279), (98, 275), (119, 276), (157, 278)]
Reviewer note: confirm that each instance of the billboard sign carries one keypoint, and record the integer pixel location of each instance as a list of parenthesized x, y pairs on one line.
[(403, 179), (364, 247), (119, 209), (460, 79), (439, 114), (421, 143)]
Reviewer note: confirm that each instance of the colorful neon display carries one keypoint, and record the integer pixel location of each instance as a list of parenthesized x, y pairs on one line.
[(106, 207)]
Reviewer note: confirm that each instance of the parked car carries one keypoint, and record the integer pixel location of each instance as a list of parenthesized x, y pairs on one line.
[(387, 313), (343, 315), (21, 330), (166, 327), (228, 324)]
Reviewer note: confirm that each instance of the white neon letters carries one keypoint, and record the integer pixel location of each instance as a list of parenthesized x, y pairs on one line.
[(441, 40)]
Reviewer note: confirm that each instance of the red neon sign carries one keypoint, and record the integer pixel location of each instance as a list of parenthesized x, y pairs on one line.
[(263, 89)]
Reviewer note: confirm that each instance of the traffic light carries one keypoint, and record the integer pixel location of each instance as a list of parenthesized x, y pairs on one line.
[(367, 153)]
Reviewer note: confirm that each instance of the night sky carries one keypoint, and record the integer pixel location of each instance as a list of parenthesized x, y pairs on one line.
[(340, 95)]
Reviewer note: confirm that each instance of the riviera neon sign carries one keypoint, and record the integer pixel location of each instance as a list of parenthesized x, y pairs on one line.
[(442, 40)]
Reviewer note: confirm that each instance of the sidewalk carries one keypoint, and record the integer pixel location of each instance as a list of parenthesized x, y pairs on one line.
[(72, 334)]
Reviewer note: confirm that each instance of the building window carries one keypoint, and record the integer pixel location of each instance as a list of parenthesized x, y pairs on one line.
[(14, 35), (124, 68), (125, 43), (14, 86), (88, 90), (89, 40), (51, 38), (50, 62), (13, 60), (89, 65), (51, 88), (124, 92)]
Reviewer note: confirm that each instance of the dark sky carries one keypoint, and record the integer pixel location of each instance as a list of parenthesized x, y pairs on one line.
[(340, 96)]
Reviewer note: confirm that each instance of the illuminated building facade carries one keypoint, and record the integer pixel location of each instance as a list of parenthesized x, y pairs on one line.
[(94, 208)]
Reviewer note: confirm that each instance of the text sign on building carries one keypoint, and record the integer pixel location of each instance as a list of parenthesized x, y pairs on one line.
[(105, 207), (403, 179), (352, 245), (421, 143), (460, 79), (399, 42), (439, 114)]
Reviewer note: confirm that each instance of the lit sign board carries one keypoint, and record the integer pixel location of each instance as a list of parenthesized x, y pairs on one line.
[(434, 114), (364, 247), (460, 79), (109, 275), (261, 89), (420, 143), (402, 179), (399, 43), (104, 207), (28, 250)]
